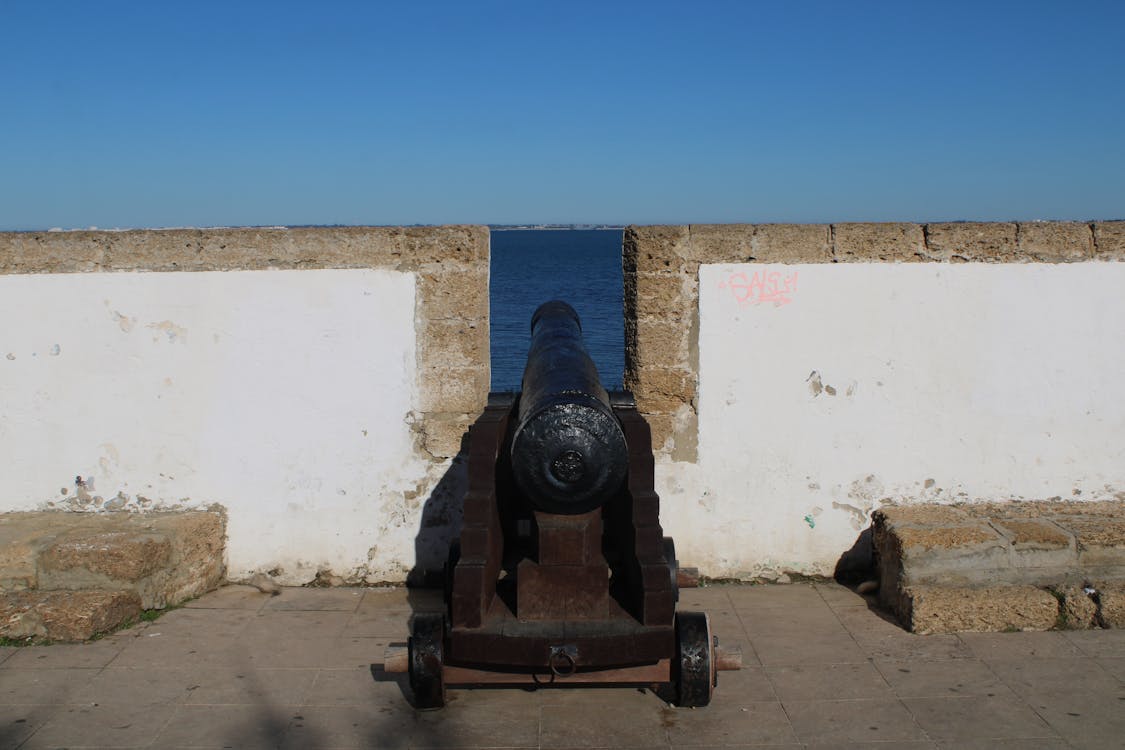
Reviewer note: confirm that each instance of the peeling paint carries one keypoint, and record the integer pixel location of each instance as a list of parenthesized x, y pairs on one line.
[(815, 386), (171, 331), (124, 322)]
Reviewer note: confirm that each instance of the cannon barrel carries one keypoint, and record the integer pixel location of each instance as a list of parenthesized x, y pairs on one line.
[(568, 449)]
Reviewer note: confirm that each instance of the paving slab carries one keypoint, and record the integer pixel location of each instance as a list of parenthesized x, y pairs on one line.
[(824, 669)]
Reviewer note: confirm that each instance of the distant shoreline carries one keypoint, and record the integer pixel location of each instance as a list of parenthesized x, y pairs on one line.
[(553, 227)]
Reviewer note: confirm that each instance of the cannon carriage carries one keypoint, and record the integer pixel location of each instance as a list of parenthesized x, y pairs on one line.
[(562, 573)]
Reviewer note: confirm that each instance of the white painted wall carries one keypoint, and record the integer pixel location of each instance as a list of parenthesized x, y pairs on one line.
[(284, 396), (952, 383)]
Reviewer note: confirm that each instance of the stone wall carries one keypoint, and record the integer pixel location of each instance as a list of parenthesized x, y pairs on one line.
[(798, 377), (661, 269), (450, 264), (314, 382)]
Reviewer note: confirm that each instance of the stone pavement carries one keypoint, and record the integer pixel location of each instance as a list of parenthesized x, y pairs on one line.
[(237, 668)]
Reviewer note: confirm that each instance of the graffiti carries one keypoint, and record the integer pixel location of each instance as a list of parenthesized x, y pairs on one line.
[(761, 287)]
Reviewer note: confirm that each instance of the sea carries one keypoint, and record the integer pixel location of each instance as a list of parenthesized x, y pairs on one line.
[(579, 266)]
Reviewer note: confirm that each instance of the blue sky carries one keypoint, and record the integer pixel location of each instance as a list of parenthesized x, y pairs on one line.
[(119, 114)]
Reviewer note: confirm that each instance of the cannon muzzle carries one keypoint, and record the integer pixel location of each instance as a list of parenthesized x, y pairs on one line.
[(568, 449)]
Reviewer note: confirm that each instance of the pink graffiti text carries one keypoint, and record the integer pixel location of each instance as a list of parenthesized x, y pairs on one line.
[(761, 287)]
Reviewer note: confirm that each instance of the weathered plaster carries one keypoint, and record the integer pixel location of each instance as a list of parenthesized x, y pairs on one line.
[(315, 382), (771, 459), (450, 264)]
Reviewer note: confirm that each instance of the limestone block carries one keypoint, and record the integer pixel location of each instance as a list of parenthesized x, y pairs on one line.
[(459, 243), (442, 433), (949, 609), (1101, 541), (660, 390), (17, 566), (892, 516), (1112, 598), (865, 243), (655, 249), (342, 247), (245, 248), (66, 615), (663, 428), (454, 389), (654, 342), (1056, 241), (722, 243), (159, 250), (20, 542), (197, 566), (1078, 610), (971, 241), (672, 296), (454, 292), (792, 243), (1109, 240), (932, 545), (116, 555), (457, 342), (961, 555), (52, 252), (1038, 545)]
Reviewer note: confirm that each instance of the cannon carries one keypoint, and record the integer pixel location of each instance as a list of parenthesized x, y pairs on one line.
[(562, 574)]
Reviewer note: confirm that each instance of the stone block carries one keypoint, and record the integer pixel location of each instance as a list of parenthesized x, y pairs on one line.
[(455, 342), (1040, 548), (972, 241), (792, 243), (1109, 240), (961, 555), (453, 294), (949, 609), (655, 249), (662, 427), (157, 250), (1077, 610), (653, 342), (197, 564), (672, 296), (250, 248), (442, 434), (342, 247), (663, 390), (458, 243), (119, 556), (892, 516), (66, 615), (454, 389), (1111, 595), (722, 243), (20, 543), (1101, 541), (402, 248), (1055, 241), (164, 557), (866, 243), (53, 252)]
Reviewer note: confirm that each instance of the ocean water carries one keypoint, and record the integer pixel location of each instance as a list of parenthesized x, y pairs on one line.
[(581, 267)]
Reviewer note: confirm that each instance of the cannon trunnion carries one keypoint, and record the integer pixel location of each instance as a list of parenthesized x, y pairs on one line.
[(562, 573)]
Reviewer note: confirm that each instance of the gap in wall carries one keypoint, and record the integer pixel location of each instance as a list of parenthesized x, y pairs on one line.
[(579, 266)]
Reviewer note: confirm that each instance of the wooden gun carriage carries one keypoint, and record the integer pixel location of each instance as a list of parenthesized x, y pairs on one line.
[(562, 573)]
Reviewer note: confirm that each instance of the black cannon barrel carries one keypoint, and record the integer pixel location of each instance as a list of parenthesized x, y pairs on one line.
[(568, 449)]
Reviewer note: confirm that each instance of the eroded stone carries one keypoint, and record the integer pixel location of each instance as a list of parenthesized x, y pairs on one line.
[(941, 609), (65, 615)]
